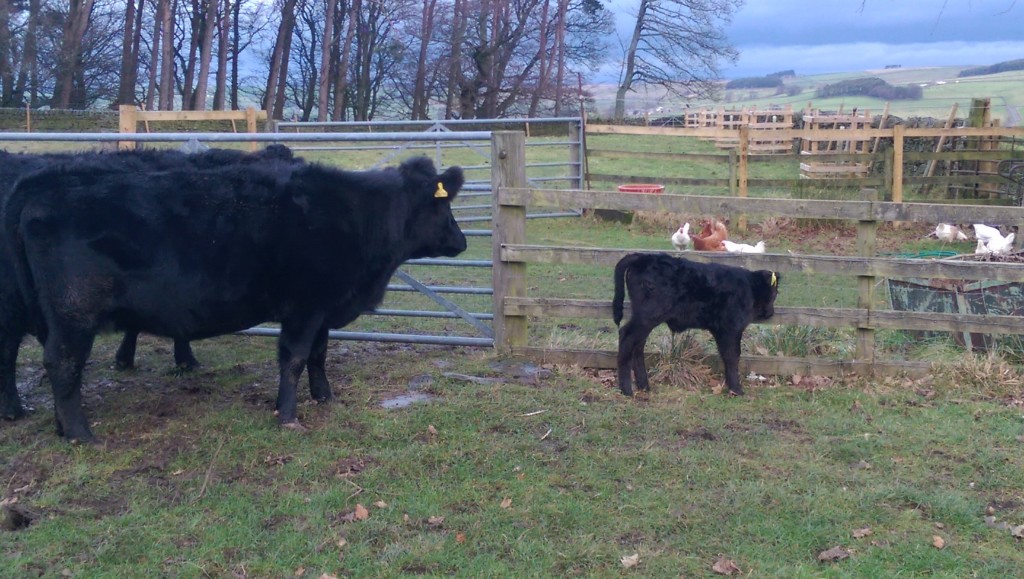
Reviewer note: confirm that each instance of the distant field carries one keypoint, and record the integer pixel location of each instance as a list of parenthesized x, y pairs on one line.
[(1005, 89)]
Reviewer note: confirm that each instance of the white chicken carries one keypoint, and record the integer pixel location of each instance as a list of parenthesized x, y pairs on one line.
[(982, 249), (681, 238), (732, 247), (1002, 245), (986, 233), (947, 232)]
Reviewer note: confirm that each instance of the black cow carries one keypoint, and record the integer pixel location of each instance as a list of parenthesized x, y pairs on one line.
[(14, 321), (197, 253), (721, 299)]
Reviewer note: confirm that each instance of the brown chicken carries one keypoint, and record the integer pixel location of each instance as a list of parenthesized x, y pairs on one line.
[(711, 235)]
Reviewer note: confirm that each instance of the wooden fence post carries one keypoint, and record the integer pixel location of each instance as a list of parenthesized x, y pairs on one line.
[(250, 125), (744, 148), (866, 231), (127, 123), (508, 169)]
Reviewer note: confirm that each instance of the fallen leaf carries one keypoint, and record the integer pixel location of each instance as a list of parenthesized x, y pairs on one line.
[(990, 510), (380, 504), (431, 430), (940, 525), (506, 503), (435, 521), (342, 543), (361, 513), (326, 576), (861, 533), (938, 542), (405, 518), (834, 554), (1017, 532), (860, 465), (300, 571), (725, 566), (630, 560), (460, 538), (797, 379)]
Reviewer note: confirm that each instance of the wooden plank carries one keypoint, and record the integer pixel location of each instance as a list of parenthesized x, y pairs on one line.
[(797, 208), (795, 316), (198, 115), (866, 229), (816, 264)]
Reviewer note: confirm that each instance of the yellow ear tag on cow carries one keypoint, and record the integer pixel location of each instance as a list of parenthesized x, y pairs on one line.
[(775, 280), (440, 193)]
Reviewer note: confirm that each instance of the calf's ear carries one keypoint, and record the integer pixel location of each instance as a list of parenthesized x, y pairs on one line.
[(771, 278), (449, 183)]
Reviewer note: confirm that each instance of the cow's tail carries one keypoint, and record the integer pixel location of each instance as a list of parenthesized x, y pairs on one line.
[(12, 213), (620, 285)]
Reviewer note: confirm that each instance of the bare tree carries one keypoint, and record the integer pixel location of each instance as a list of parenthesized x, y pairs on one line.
[(420, 97), (167, 55), (209, 23), (341, 74), (273, 101), (677, 44), (70, 55)]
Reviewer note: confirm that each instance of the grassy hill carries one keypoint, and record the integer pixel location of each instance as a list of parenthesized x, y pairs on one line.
[(941, 88)]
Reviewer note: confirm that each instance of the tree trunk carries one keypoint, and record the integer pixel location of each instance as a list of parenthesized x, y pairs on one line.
[(70, 55), (236, 17), (154, 59), (324, 86), (167, 56), (563, 8), (29, 63), (455, 66), (222, 57), (205, 54), (129, 52), (341, 79), (630, 65), (544, 62), (420, 97), (279, 62), (6, 57)]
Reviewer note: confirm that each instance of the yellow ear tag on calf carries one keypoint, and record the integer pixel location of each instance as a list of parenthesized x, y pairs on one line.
[(440, 193), (775, 280)]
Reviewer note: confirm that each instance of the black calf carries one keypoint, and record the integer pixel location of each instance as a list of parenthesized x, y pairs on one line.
[(721, 299)]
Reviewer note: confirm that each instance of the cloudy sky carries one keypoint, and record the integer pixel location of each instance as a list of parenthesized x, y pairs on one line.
[(819, 36)]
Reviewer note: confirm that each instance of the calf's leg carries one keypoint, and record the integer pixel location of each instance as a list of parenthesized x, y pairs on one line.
[(632, 338), (729, 350)]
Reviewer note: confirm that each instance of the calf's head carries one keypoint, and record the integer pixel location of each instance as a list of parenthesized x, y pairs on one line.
[(765, 287), (431, 226)]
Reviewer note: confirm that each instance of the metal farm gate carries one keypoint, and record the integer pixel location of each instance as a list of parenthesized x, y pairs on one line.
[(359, 146), (468, 302)]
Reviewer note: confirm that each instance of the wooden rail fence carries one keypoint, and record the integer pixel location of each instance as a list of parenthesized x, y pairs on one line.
[(130, 117), (513, 253)]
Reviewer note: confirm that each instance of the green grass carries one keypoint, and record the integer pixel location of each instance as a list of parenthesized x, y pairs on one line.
[(562, 477)]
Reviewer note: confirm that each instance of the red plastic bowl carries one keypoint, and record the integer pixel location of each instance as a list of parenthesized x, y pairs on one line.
[(641, 188)]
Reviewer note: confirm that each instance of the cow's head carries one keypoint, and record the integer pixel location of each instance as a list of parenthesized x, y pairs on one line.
[(765, 287), (431, 227)]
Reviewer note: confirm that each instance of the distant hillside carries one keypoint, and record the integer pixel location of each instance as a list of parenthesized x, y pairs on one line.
[(941, 87), (1006, 66)]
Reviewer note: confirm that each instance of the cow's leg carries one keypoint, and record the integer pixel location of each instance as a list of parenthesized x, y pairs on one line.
[(10, 403), (125, 357), (316, 369), (64, 357), (184, 359), (293, 350), (728, 343)]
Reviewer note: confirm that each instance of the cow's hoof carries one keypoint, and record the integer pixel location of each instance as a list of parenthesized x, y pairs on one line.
[(294, 425), (735, 393)]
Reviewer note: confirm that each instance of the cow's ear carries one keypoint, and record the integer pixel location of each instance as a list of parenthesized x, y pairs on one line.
[(771, 278), (449, 183)]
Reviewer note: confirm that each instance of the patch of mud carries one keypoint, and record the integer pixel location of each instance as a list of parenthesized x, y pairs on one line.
[(406, 400)]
